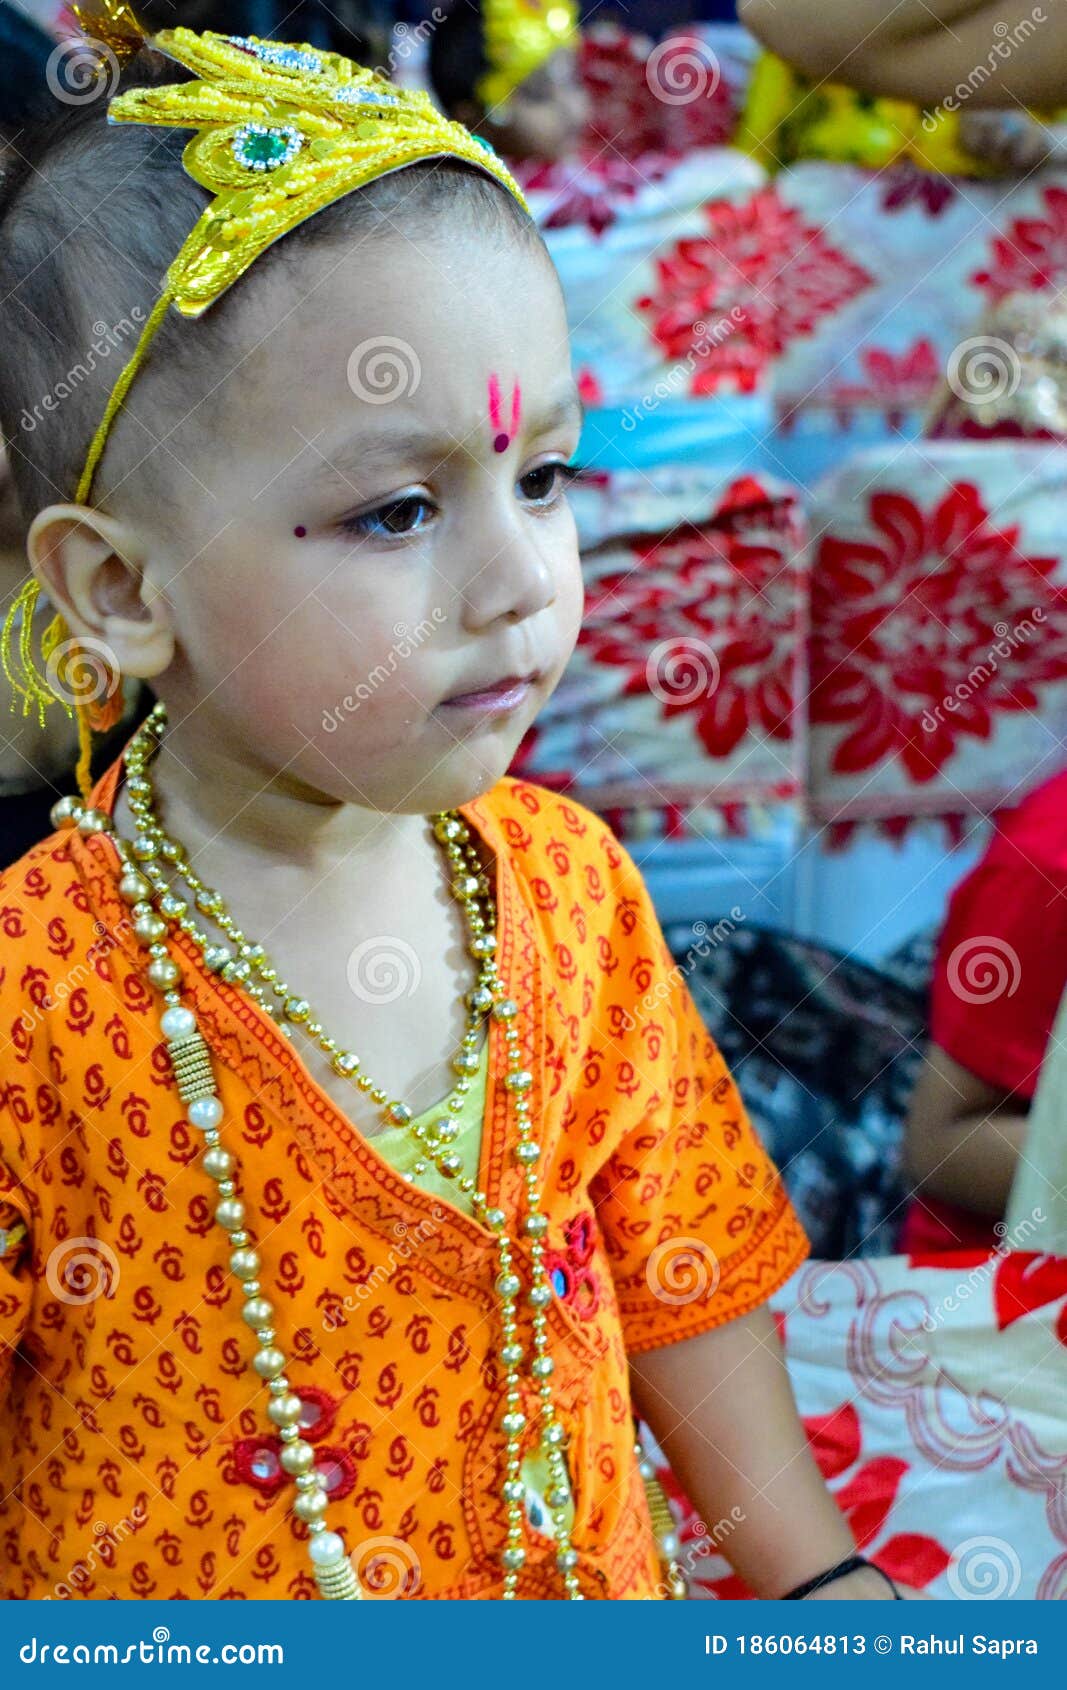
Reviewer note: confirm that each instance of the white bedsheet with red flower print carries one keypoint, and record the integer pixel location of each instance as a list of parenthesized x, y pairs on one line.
[(933, 1394), (939, 627)]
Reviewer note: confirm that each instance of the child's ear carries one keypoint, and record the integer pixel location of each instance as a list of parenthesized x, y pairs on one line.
[(92, 568)]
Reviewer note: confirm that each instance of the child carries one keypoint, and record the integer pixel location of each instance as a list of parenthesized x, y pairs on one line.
[(510, 69), (279, 1316)]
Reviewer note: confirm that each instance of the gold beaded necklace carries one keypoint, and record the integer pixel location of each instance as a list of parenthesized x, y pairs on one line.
[(145, 885)]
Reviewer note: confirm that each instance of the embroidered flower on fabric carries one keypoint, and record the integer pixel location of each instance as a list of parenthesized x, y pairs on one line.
[(571, 1277)]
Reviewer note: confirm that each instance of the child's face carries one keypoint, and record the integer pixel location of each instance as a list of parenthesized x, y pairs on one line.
[(380, 533), (545, 116)]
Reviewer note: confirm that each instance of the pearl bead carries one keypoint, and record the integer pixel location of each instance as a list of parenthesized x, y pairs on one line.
[(217, 1162), (149, 927), (94, 821), (230, 1213), (511, 1355), (205, 1112), (540, 1296), (542, 1367), (554, 1435), (566, 1559), (668, 1544), (311, 1506), (268, 1363), (512, 1424), (513, 1558), (327, 1549), (285, 1411), (508, 1284), (177, 1023), (298, 1457), (244, 1263), (527, 1153), (514, 1490), (535, 1226), (162, 972), (65, 813), (134, 888), (257, 1312)]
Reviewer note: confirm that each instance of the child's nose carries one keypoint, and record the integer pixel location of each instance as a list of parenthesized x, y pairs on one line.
[(512, 582)]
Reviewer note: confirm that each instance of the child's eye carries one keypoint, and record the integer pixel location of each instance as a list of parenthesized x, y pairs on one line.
[(543, 485), (396, 517)]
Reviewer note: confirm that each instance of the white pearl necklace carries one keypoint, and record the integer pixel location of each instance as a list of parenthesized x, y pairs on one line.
[(145, 886)]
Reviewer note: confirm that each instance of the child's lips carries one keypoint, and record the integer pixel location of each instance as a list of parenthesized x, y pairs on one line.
[(495, 699)]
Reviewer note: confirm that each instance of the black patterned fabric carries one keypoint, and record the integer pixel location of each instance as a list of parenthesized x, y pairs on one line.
[(825, 1050)]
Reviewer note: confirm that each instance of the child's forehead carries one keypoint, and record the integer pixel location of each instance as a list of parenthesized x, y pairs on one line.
[(413, 321)]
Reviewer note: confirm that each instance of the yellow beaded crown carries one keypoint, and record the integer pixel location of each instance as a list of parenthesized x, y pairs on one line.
[(282, 130), (519, 36)]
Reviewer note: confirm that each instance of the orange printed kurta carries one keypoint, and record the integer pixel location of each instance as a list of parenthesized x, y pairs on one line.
[(138, 1459)]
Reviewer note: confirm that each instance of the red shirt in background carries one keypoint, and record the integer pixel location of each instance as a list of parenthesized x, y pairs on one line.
[(1000, 973)]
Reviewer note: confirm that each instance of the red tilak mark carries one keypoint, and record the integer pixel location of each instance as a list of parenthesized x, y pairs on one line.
[(502, 439), (300, 531)]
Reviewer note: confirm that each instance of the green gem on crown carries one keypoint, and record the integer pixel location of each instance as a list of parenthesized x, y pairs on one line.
[(260, 146)]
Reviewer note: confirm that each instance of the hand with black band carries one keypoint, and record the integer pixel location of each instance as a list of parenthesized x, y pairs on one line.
[(850, 1565)]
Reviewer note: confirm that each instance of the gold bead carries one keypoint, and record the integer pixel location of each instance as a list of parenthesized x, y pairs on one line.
[(66, 812), (163, 972)]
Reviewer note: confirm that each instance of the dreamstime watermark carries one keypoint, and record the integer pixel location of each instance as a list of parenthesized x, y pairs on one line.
[(81, 69), (407, 40), (104, 342), (44, 1001), (386, 1567), (384, 368), (158, 1651), (682, 1270), (409, 1239), (706, 340), (682, 69), (679, 671), (83, 671), (705, 940), (704, 1541), (1007, 643), (984, 370), (107, 1540), (986, 1569), (964, 1289), (1007, 39), (406, 640), (983, 968), (382, 969), (79, 1270)]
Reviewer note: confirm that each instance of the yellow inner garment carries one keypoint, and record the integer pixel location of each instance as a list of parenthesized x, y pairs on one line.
[(401, 1151)]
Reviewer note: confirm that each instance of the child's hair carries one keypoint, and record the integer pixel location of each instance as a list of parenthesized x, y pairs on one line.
[(457, 57), (91, 216)]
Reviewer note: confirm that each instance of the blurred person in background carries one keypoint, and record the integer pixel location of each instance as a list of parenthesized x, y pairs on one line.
[(1000, 974), (954, 57), (509, 71)]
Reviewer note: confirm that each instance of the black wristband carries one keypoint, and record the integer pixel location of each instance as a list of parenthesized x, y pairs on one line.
[(842, 1570)]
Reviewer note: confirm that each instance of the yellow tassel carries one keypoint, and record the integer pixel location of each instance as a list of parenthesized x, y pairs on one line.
[(85, 752), (27, 680)]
